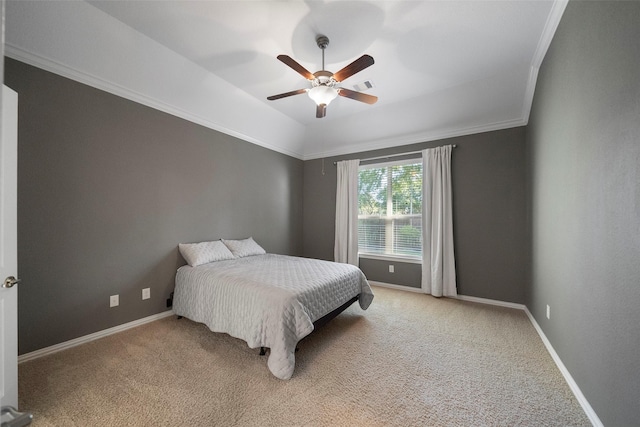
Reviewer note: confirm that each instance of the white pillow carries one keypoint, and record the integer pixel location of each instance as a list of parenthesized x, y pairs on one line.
[(204, 252), (243, 248)]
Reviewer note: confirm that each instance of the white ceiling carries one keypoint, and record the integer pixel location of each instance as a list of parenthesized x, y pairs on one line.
[(442, 68)]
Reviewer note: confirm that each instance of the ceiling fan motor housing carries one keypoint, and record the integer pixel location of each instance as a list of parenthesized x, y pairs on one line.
[(323, 78), (322, 41)]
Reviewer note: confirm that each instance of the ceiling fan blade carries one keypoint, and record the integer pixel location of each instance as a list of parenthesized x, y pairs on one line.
[(356, 66), (321, 111), (358, 96), (284, 95), (296, 67)]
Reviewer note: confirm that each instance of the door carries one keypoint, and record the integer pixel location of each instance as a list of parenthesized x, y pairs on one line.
[(9, 250)]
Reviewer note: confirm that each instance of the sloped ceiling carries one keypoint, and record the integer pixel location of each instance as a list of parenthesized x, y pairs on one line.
[(442, 68)]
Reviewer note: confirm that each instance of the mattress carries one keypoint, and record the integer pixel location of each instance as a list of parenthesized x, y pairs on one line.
[(267, 300)]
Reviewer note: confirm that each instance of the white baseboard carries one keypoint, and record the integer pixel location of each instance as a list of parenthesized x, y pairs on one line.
[(591, 414), (582, 400), (491, 302), (91, 337), (460, 297), (398, 287)]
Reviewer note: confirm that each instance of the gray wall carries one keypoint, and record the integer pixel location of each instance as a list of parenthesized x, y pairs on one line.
[(584, 148), (489, 209), (107, 188)]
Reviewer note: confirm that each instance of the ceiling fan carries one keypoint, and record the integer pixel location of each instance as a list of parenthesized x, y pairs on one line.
[(324, 83)]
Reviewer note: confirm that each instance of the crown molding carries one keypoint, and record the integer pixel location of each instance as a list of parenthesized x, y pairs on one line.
[(551, 25), (417, 138), (55, 67)]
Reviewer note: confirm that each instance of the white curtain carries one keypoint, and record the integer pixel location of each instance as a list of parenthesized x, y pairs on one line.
[(346, 245), (438, 264)]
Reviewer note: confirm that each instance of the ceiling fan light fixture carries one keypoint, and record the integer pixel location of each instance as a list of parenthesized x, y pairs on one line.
[(323, 94)]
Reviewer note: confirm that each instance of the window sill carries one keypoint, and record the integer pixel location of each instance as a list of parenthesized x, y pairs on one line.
[(391, 258)]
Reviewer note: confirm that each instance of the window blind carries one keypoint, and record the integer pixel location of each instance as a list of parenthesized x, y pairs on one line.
[(390, 209)]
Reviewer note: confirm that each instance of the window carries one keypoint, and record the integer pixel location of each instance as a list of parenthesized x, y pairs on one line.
[(390, 209)]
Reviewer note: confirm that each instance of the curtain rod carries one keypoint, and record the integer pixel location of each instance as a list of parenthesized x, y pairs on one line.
[(391, 156)]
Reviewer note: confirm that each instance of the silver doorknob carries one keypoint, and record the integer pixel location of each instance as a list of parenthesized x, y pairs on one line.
[(10, 281)]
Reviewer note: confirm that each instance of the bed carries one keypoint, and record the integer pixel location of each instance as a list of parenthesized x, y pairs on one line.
[(267, 300)]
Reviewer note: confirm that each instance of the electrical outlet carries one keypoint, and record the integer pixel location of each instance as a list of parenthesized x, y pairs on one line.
[(146, 293), (548, 312), (391, 268), (114, 300)]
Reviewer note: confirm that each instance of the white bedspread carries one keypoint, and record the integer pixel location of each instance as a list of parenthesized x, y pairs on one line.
[(267, 300)]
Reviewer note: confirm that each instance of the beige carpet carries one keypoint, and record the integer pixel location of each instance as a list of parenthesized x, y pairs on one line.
[(410, 360)]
